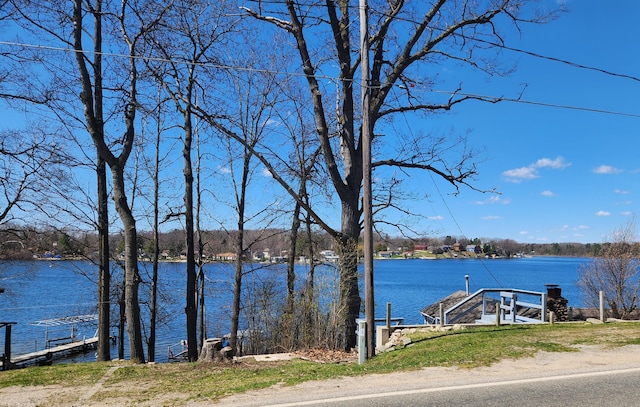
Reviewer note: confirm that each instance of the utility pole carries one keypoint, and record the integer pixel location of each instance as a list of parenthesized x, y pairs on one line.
[(367, 201)]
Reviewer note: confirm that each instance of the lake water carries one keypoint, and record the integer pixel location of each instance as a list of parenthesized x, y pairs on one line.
[(39, 290)]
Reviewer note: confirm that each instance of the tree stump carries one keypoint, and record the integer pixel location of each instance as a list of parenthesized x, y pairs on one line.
[(212, 351)]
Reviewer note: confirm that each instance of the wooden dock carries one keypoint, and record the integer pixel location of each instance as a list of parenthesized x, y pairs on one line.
[(46, 355)]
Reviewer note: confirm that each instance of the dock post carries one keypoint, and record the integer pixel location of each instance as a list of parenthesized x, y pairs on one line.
[(388, 315), (441, 315), (602, 318), (498, 312), (6, 362)]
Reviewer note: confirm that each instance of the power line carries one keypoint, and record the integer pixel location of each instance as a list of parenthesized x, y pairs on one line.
[(532, 102), (332, 78), (554, 59), (446, 205)]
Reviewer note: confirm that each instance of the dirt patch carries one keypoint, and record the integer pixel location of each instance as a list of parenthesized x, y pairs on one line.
[(40, 396), (327, 356)]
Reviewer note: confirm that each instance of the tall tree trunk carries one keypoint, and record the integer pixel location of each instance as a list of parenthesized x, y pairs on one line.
[(131, 274), (237, 290), (202, 322), (237, 286), (104, 284), (191, 306), (291, 260), (348, 251), (310, 309), (91, 98), (121, 322), (288, 337), (153, 306), (153, 300), (200, 244)]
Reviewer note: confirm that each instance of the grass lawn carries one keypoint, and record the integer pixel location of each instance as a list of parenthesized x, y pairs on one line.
[(465, 348)]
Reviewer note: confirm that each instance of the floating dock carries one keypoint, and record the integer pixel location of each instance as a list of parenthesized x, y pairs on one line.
[(72, 344)]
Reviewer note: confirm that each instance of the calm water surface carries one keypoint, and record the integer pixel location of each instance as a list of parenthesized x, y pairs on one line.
[(411, 285), (39, 290)]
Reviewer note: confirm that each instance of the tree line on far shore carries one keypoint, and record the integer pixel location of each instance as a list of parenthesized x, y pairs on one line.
[(27, 243)]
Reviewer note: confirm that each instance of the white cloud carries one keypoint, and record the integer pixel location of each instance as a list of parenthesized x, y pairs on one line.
[(519, 174), (494, 200), (224, 170), (559, 162), (272, 122), (532, 171), (490, 217), (603, 213), (626, 213), (547, 193), (266, 173), (620, 191), (523, 232), (437, 217), (607, 169)]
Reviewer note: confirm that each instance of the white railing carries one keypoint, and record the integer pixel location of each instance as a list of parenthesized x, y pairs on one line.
[(513, 305)]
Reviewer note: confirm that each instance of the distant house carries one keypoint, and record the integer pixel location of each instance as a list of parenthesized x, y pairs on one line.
[(329, 255), (420, 246), (226, 256), (387, 254)]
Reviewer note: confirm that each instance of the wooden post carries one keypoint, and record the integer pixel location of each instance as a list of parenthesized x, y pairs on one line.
[(441, 315), (367, 193), (6, 363), (7, 347), (498, 310), (602, 306), (552, 317), (388, 315)]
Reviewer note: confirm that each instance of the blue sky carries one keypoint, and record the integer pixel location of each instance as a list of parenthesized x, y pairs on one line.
[(563, 175)]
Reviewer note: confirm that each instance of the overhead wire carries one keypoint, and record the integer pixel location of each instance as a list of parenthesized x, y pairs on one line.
[(453, 218), (333, 78)]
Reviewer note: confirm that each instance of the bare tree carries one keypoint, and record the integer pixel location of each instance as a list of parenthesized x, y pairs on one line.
[(406, 38), (616, 272), (302, 168), (90, 74), (251, 127), (31, 160), (49, 96), (185, 41)]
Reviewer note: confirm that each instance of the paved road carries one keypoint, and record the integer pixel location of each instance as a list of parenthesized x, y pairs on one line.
[(603, 389), (600, 378)]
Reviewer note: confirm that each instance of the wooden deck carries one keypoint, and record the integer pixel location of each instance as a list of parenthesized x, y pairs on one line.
[(51, 353)]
